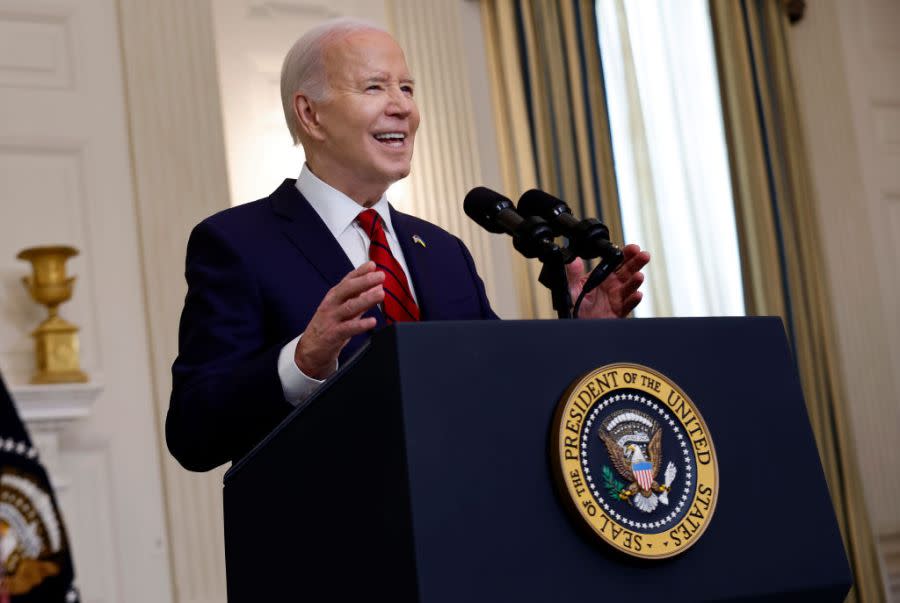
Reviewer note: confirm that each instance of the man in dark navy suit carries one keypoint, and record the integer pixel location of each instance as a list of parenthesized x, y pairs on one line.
[(284, 289)]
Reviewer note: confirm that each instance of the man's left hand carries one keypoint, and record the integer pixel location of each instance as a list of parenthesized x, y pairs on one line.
[(618, 295)]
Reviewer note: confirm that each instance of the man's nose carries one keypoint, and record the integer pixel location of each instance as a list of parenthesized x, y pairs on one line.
[(400, 105)]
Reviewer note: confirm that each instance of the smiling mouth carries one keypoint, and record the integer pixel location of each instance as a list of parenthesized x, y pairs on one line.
[(391, 139)]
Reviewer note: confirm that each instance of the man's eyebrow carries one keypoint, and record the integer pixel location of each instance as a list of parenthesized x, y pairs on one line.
[(383, 77)]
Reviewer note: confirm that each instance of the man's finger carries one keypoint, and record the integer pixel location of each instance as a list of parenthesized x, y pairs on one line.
[(575, 271), (631, 303), (352, 285), (364, 268), (352, 328), (632, 284), (637, 260), (360, 304)]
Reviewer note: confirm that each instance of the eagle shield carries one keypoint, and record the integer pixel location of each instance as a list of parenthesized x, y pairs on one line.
[(643, 473)]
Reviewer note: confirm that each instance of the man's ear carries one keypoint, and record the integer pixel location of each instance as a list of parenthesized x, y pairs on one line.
[(306, 112)]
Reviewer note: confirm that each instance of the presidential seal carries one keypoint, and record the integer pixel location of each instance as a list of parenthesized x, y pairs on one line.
[(31, 537), (634, 461)]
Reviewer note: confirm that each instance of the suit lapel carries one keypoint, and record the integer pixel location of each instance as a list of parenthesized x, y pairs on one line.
[(308, 233)]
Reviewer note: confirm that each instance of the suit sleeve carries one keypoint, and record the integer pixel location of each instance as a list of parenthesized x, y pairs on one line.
[(487, 312), (226, 392)]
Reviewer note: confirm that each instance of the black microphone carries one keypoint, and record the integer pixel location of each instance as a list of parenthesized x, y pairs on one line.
[(532, 237), (588, 238)]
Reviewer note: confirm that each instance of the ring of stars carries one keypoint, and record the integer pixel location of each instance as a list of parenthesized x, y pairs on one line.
[(21, 448)]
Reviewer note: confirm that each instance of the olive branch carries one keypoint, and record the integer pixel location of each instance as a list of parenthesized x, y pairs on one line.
[(612, 485)]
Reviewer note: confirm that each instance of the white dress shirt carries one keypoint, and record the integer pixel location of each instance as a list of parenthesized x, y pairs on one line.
[(339, 213)]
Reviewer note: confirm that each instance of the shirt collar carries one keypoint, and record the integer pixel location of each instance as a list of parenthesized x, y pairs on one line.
[(336, 209)]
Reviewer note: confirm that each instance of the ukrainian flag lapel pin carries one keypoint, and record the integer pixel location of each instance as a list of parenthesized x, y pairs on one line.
[(417, 239)]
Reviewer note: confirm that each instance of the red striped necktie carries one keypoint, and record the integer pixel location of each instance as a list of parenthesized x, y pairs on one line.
[(399, 304)]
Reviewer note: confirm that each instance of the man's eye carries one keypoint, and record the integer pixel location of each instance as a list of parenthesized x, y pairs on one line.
[(407, 90), (373, 87)]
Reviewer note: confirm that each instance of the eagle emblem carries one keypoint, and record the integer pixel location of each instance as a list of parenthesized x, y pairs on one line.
[(634, 443)]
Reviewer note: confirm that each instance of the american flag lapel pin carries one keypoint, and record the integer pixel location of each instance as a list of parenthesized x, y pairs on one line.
[(417, 239)]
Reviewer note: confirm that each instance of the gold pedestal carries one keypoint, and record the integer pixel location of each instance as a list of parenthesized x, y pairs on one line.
[(56, 340), (56, 352)]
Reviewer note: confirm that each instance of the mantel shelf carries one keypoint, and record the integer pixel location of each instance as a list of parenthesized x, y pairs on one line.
[(61, 402)]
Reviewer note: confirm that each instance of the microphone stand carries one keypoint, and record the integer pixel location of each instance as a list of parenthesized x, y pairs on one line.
[(533, 237), (553, 276)]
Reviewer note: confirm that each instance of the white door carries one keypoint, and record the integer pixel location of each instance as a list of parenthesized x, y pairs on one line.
[(65, 178)]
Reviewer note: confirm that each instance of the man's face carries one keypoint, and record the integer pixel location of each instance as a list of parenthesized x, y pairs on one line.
[(369, 119)]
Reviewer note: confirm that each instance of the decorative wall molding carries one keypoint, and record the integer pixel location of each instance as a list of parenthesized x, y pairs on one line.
[(48, 410), (180, 177), (36, 46), (87, 507), (55, 404)]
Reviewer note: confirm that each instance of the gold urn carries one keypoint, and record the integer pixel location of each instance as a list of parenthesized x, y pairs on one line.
[(56, 339)]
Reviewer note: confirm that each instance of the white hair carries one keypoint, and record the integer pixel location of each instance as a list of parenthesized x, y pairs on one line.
[(304, 70)]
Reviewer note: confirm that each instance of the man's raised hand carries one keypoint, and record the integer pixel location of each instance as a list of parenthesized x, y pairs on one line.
[(339, 318), (617, 296)]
